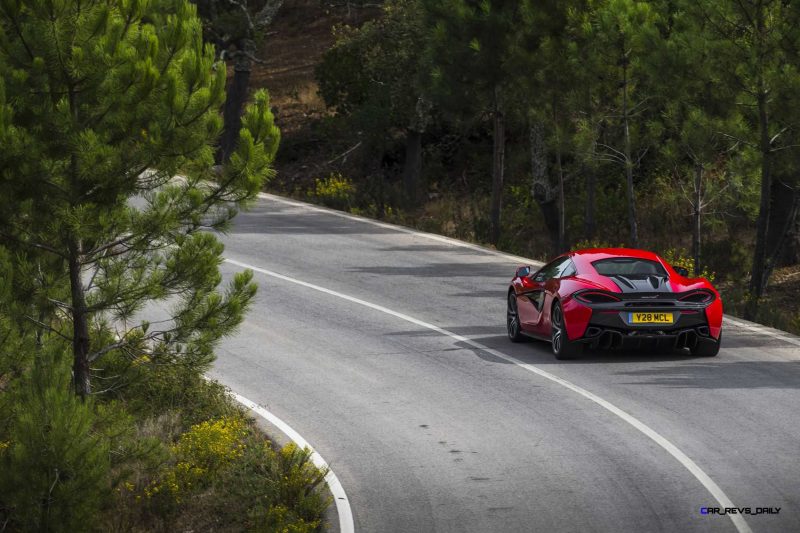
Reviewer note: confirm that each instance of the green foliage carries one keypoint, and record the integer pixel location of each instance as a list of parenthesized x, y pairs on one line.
[(94, 140), (150, 389), (470, 50), (376, 71), (55, 464), (374, 77), (109, 116)]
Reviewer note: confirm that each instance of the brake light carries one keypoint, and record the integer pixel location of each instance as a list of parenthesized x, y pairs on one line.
[(596, 297), (698, 297)]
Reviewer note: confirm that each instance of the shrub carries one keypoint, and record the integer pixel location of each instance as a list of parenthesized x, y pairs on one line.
[(225, 476), (681, 258), (335, 191), (151, 390), (593, 243), (201, 453), (286, 483), (55, 467)]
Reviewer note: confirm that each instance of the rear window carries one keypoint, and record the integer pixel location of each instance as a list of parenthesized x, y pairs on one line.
[(630, 267)]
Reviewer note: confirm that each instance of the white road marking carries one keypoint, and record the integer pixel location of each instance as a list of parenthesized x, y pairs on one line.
[(346, 524), (710, 485), (461, 244)]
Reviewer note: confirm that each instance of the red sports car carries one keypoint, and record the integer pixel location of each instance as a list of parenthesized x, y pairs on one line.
[(614, 298)]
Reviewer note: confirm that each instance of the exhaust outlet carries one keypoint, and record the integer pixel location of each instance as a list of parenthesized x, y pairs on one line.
[(680, 342), (691, 339), (605, 341), (616, 340)]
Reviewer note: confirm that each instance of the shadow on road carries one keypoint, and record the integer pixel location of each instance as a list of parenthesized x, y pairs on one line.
[(538, 353), (744, 339), (721, 375), (498, 294), (688, 372)]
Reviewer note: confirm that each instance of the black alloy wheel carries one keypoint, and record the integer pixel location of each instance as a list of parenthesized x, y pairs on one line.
[(512, 320), (563, 348)]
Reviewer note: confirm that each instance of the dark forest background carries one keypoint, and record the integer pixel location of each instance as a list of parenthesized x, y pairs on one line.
[(537, 127)]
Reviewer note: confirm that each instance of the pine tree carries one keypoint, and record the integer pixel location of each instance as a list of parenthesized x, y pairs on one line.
[(373, 75), (472, 44), (103, 107), (757, 50), (695, 113), (54, 473), (548, 71), (620, 34), (236, 32)]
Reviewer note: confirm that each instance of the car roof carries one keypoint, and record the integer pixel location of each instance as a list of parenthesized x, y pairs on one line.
[(594, 254)]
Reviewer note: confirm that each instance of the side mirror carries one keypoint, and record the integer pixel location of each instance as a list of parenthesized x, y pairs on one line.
[(681, 271), (523, 271)]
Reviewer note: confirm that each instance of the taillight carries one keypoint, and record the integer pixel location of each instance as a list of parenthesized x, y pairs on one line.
[(596, 297), (698, 297)]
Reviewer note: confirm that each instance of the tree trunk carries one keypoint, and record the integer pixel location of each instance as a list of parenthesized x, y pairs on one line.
[(549, 209), (541, 191), (760, 271), (589, 222), (783, 223), (696, 228), (80, 324), (562, 206), (785, 234), (790, 254), (232, 112), (412, 167), (381, 203), (629, 160), (498, 165), (81, 378)]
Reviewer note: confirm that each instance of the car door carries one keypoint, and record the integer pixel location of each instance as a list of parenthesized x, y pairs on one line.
[(531, 303), (562, 267)]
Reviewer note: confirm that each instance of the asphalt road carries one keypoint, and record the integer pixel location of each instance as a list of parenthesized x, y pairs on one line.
[(429, 433)]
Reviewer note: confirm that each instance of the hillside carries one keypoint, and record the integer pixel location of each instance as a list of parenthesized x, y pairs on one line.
[(301, 32)]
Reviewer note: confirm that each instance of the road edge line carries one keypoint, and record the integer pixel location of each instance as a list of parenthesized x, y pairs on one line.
[(699, 474), (346, 523)]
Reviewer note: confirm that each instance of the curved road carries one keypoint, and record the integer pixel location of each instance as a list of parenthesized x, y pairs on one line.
[(431, 433)]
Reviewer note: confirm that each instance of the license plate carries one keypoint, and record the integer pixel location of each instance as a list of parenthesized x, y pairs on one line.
[(650, 318)]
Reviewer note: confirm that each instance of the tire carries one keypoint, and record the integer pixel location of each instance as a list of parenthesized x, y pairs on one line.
[(513, 326), (563, 348), (707, 347)]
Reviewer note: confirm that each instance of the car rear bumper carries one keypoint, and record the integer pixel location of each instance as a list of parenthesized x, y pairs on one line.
[(610, 326), (606, 338)]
